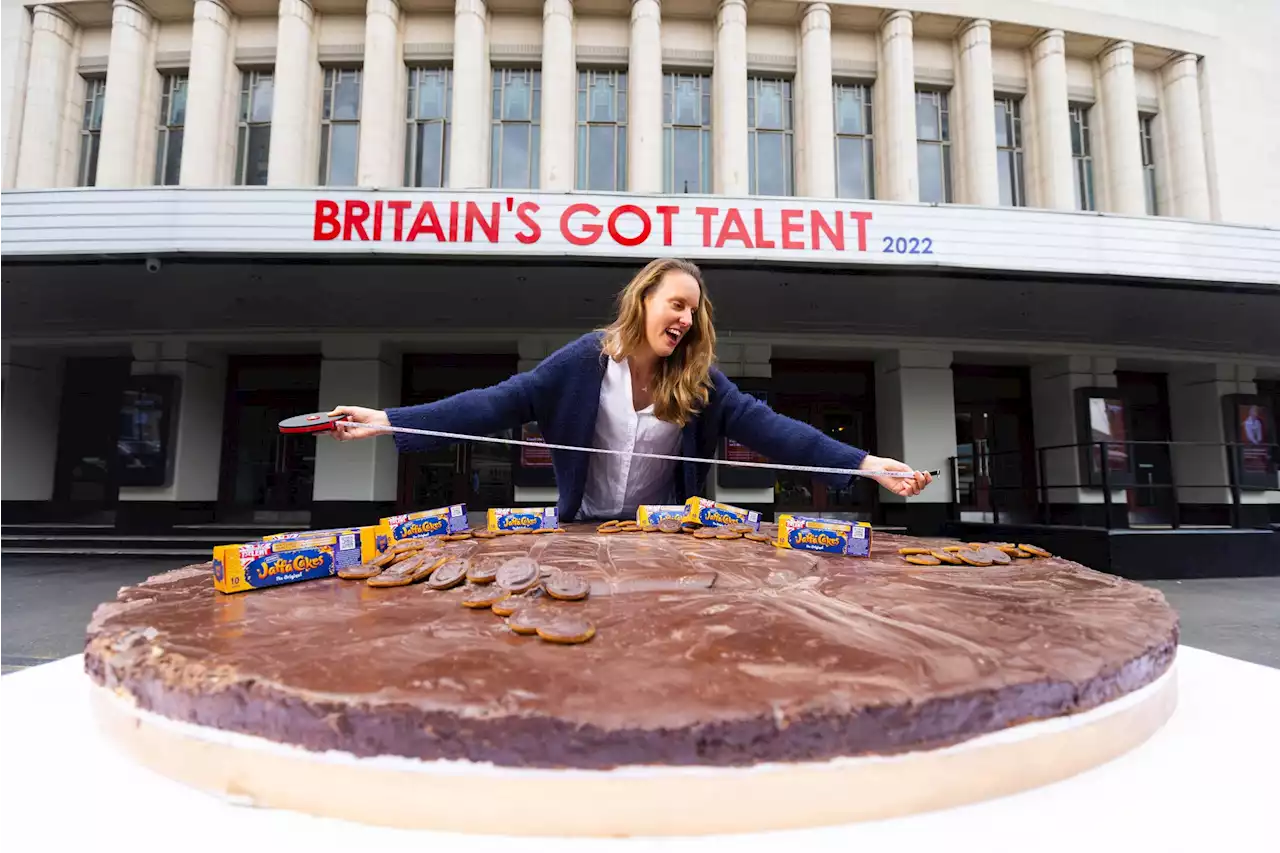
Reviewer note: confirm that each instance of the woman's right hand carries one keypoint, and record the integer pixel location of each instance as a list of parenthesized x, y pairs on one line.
[(347, 432)]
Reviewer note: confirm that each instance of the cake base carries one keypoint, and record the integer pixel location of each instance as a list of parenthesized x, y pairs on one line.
[(478, 798)]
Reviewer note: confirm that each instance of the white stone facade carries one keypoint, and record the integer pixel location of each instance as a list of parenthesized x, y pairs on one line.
[(1205, 159), (631, 98)]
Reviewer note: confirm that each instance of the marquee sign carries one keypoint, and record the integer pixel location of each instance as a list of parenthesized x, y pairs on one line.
[(266, 221), (656, 225)]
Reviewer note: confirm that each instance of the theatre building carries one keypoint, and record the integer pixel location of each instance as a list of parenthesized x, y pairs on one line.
[(1031, 245)]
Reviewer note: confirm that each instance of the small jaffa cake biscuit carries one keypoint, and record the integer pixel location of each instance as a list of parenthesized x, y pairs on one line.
[(408, 571), (566, 629), (922, 560), (364, 571), (512, 603), (527, 618), (567, 587), (518, 575), (995, 555), (483, 570), (449, 575), (483, 596), (975, 558)]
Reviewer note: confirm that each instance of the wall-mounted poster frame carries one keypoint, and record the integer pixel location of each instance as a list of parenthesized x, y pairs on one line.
[(531, 466), (1102, 415), (144, 449), (1250, 428)]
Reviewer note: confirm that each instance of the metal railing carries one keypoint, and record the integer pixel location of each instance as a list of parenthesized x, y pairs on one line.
[(1256, 462)]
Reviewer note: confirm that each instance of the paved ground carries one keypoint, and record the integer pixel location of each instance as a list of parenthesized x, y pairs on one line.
[(46, 602)]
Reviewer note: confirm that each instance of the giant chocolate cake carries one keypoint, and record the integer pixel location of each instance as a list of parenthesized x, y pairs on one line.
[(720, 673)]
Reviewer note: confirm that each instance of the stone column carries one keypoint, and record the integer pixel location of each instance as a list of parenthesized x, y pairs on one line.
[(128, 64), (1185, 131), (644, 98), (916, 424), (900, 176), (52, 35), (1125, 189), (33, 387), (16, 33), (729, 96), (819, 119), (1050, 111), (558, 145), (469, 128), (382, 100), (1195, 414), (357, 371), (205, 135), (1053, 387), (197, 422), (291, 159), (981, 180)]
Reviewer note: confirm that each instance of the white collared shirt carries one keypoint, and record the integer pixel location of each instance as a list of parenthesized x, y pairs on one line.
[(616, 485)]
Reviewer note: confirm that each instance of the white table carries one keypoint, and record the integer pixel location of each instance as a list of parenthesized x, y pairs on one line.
[(1207, 781)]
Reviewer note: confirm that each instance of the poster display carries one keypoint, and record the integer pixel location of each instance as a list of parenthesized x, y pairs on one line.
[(531, 467), (1104, 417), (1250, 427), (146, 417)]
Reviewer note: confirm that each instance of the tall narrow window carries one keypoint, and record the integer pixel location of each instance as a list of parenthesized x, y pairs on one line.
[(933, 146), (426, 147), (95, 95), (253, 131), (517, 112), (173, 115), (1082, 157), (602, 130), (1148, 162), (855, 156), (1009, 152), (340, 127), (769, 142), (686, 133)]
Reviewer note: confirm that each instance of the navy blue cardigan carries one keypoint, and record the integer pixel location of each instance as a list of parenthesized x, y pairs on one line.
[(562, 394)]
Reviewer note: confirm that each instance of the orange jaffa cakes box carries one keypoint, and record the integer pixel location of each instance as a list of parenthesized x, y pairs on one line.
[(257, 565), (526, 518), (428, 522), (825, 535), (712, 514), (356, 545)]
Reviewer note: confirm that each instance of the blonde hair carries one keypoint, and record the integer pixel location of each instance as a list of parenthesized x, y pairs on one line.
[(682, 381)]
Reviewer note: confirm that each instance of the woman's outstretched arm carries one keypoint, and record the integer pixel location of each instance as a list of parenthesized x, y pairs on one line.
[(790, 442), (480, 411)]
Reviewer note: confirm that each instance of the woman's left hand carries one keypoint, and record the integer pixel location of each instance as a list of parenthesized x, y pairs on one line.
[(905, 486)]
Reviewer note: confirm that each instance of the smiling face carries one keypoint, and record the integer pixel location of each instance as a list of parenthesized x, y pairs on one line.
[(669, 310)]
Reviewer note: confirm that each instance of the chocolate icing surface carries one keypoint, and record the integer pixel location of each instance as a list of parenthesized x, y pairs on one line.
[(706, 652)]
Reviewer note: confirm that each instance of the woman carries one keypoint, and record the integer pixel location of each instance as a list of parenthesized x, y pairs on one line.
[(645, 384)]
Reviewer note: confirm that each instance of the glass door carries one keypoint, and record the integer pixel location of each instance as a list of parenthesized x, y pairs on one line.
[(268, 476), (995, 465), (476, 473), (995, 443), (1151, 502), (799, 492)]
